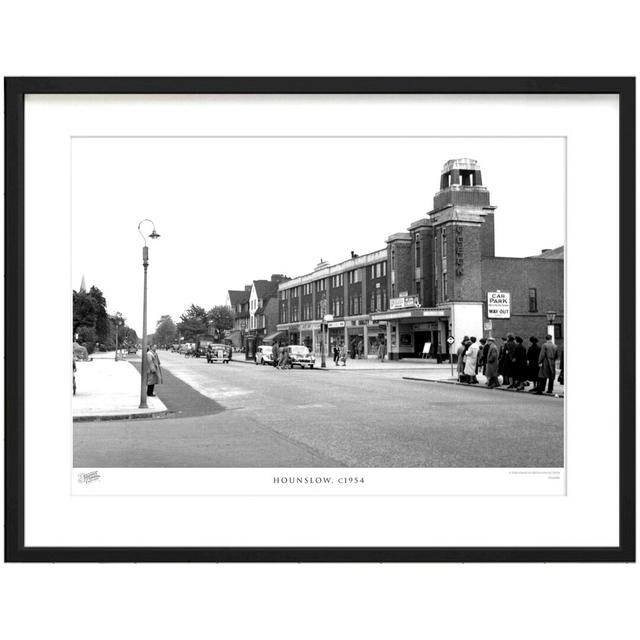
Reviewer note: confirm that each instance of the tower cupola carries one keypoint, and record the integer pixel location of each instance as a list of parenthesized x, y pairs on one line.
[(461, 184)]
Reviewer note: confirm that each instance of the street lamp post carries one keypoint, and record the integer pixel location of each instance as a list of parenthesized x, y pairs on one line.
[(551, 330), (145, 263), (118, 317), (323, 312)]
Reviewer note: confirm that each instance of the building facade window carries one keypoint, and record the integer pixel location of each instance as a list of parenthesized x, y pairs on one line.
[(321, 284), (533, 300), (445, 288), (336, 307), (418, 252), (354, 276), (355, 305)]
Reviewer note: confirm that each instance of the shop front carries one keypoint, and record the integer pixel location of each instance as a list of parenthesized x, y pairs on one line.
[(415, 333)]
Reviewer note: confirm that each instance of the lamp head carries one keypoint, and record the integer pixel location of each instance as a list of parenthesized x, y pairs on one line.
[(154, 234)]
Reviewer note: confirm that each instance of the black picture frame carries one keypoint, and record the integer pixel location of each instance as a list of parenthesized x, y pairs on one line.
[(15, 91)]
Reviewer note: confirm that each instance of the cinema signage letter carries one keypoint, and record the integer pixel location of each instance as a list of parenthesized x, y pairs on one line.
[(459, 252)]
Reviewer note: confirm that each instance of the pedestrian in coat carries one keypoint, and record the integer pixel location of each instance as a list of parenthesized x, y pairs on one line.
[(274, 355), (533, 353), (360, 348), (520, 364), (509, 360), (352, 349), (482, 356), (154, 371), (462, 349), (501, 354), (471, 361), (382, 349), (336, 353), (284, 357), (547, 362), (343, 354), (491, 369)]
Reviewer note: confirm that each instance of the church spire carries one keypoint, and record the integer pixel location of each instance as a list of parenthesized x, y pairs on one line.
[(83, 287)]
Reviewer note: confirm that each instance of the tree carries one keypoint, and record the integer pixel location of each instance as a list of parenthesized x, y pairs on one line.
[(102, 324), (194, 321), (221, 318), (166, 331), (90, 318)]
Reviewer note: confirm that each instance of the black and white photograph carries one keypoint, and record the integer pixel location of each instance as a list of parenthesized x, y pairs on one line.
[(356, 318), (318, 302)]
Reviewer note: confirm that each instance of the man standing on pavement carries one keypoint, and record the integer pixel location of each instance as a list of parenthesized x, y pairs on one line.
[(547, 362), (509, 355), (520, 364), (154, 372), (491, 361)]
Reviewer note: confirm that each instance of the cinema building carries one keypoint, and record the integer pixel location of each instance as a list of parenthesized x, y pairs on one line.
[(438, 279)]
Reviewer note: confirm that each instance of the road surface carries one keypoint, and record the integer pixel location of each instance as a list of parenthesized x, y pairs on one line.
[(242, 415)]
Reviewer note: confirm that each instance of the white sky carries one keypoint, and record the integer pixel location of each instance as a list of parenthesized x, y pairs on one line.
[(231, 210)]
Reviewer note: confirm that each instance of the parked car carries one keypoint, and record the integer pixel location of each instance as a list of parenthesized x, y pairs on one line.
[(301, 356), (219, 353), (132, 349), (264, 355)]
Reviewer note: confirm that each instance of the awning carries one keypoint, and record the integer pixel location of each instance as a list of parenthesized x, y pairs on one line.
[(273, 336), (414, 314)]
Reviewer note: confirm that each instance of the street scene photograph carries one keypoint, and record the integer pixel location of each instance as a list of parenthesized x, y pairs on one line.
[(318, 302)]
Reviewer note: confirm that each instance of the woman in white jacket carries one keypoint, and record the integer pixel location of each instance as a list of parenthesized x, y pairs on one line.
[(471, 360)]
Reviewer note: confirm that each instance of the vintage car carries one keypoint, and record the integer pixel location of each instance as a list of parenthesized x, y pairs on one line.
[(219, 353), (264, 355), (300, 356)]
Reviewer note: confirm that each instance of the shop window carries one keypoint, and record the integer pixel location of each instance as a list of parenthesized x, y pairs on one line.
[(557, 331), (533, 300)]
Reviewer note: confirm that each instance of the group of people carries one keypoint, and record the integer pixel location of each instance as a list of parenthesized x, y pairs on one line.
[(340, 354), (280, 356), (518, 365), (355, 350)]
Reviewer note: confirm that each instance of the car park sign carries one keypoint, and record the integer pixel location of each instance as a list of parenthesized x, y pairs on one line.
[(498, 304)]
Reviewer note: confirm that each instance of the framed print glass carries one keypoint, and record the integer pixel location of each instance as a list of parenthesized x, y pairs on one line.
[(320, 319)]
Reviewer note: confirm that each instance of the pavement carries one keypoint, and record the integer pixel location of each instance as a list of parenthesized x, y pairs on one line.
[(372, 363), (417, 369), (108, 390), (263, 417)]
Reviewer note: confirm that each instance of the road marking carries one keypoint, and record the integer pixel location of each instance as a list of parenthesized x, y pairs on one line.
[(204, 384)]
